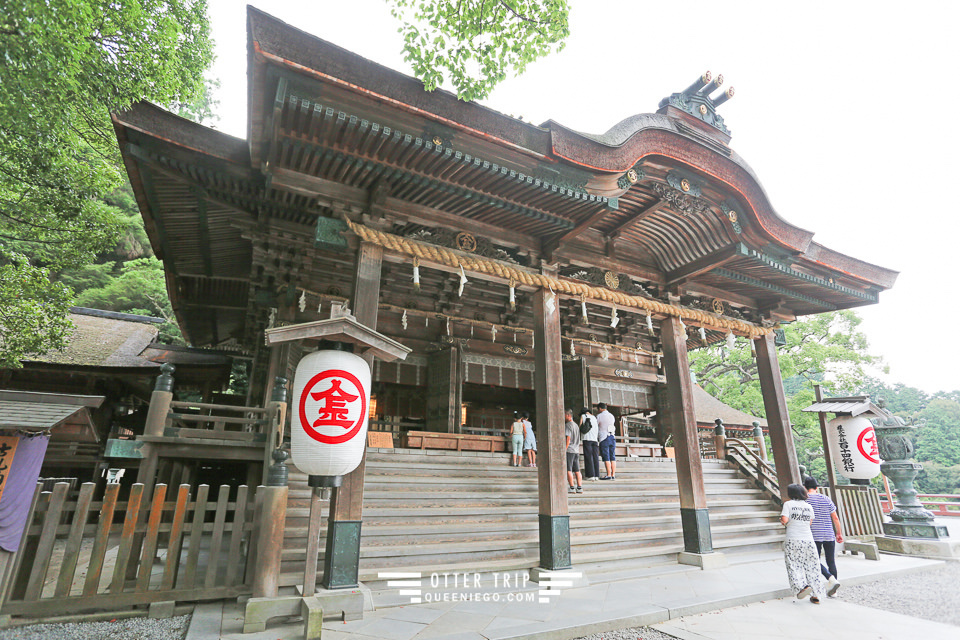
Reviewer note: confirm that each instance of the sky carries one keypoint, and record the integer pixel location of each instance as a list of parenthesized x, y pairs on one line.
[(846, 111)]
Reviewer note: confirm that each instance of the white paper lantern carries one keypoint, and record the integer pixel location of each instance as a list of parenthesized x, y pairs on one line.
[(331, 394), (854, 444)]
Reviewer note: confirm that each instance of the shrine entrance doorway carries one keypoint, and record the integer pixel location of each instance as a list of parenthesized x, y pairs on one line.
[(488, 409)]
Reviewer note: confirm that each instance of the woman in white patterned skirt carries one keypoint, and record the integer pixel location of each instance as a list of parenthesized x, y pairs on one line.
[(799, 550)]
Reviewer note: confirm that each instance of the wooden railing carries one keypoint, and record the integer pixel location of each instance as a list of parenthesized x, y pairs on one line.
[(765, 477), (454, 441), (939, 504), (638, 446), (75, 453), (217, 421), (708, 440), (77, 554), (859, 509)]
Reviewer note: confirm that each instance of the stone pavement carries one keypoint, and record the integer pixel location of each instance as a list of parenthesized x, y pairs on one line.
[(792, 619), (681, 593)]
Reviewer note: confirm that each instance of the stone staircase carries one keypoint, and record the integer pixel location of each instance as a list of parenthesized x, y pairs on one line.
[(439, 511)]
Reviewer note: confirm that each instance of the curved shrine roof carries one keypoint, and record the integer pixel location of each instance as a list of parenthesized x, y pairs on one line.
[(660, 199)]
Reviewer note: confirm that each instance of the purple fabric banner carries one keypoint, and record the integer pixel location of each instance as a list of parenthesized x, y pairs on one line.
[(18, 492)]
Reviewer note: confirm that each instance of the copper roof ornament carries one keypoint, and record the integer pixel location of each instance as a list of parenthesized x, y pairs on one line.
[(697, 101)]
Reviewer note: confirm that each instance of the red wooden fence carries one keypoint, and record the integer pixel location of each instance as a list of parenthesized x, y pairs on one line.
[(940, 504)]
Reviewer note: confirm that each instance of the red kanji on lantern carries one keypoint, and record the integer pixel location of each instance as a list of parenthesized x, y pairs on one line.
[(867, 443), (338, 407), (333, 411)]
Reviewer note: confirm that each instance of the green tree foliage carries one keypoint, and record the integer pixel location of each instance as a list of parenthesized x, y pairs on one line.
[(33, 311), (937, 478), (828, 349), (938, 440), (475, 44), (64, 66), (138, 287), (904, 401)]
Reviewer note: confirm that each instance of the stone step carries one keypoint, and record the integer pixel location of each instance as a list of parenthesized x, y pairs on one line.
[(439, 511), (387, 469), (369, 575), (624, 524), (374, 515)]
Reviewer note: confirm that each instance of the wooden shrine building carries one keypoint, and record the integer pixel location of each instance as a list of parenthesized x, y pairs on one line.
[(527, 267)]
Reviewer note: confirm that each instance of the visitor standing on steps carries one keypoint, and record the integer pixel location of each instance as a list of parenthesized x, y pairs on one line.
[(827, 533), (516, 438), (591, 448), (573, 453), (607, 440), (799, 551), (529, 439)]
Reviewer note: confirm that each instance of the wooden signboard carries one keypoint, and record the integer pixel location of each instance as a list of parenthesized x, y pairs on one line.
[(576, 386)]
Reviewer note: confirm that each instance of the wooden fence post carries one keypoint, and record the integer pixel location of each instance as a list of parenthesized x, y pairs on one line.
[(720, 439), (270, 529), (761, 443)]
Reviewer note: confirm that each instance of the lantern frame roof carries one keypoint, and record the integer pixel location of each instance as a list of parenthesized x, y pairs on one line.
[(341, 329), (852, 405)]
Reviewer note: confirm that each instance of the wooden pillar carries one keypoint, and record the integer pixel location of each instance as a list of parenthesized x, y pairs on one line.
[(828, 451), (266, 568), (444, 391), (156, 420), (341, 563), (778, 419), (552, 458), (680, 415)]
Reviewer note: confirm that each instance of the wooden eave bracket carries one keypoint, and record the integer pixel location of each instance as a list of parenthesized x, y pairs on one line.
[(342, 329)]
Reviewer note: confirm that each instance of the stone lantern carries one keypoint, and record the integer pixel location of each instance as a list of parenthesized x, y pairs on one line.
[(910, 519)]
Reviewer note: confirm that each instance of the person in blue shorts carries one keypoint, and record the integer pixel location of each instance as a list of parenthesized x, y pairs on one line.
[(606, 438)]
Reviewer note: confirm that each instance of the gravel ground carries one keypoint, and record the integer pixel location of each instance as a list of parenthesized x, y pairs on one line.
[(931, 595), (126, 629)]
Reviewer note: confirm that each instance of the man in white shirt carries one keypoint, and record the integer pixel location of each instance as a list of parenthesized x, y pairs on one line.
[(607, 440)]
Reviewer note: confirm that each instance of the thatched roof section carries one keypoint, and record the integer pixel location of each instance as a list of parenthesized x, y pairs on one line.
[(99, 341), (708, 409)]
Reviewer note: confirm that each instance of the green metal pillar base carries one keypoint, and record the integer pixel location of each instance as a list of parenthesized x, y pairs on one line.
[(341, 562), (915, 530), (554, 542), (696, 530)]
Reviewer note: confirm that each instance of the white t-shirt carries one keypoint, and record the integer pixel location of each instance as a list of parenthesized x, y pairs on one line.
[(592, 434), (605, 421), (799, 516)]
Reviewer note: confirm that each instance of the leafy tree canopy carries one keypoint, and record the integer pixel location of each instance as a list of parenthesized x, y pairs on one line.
[(828, 349), (138, 287), (63, 67), (475, 44), (938, 439)]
